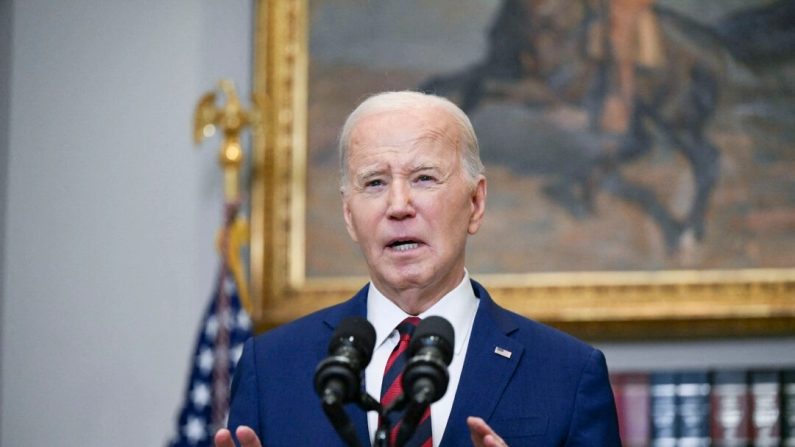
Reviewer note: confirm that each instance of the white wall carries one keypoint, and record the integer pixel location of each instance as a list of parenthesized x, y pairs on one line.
[(5, 72), (109, 215), (745, 353)]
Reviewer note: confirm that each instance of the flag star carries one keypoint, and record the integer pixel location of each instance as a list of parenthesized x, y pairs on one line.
[(243, 320), (211, 327), (205, 360), (194, 430), (200, 394), (235, 353)]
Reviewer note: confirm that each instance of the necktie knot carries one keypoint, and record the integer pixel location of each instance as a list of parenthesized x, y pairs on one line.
[(407, 326)]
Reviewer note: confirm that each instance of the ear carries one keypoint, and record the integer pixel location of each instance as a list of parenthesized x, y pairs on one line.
[(477, 205), (346, 213)]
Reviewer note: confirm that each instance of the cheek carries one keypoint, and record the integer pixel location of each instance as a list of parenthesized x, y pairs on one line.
[(448, 223), (364, 219)]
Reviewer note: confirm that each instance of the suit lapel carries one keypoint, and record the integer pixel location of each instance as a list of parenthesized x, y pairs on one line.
[(356, 306), (484, 370)]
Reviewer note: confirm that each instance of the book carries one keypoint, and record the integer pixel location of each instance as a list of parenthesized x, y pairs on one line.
[(631, 391), (693, 409), (731, 409), (662, 401), (765, 408)]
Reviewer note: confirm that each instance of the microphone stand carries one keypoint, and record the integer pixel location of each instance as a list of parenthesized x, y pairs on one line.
[(385, 427), (344, 427), (339, 419), (407, 425), (336, 414), (411, 418)]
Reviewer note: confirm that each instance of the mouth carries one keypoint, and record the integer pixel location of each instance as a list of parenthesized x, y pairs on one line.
[(403, 245)]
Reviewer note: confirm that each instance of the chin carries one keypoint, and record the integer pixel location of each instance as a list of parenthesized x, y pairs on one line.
[(405, 281)]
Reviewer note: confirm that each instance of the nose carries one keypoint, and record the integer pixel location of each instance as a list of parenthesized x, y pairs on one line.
[(400, 204)]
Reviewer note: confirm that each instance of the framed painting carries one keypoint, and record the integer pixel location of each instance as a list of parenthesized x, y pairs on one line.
[(639, 155)]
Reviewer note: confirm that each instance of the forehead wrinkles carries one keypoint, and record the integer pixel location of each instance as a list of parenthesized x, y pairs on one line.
[(403, 131), (446, 135)]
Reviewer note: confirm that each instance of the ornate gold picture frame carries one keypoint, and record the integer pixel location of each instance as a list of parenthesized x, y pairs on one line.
[(605, 305)]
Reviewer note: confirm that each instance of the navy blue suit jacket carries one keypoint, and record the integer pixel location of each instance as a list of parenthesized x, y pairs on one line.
[(552, 391)]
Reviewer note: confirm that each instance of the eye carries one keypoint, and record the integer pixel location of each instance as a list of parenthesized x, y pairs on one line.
[(374, 183), (422, 178)]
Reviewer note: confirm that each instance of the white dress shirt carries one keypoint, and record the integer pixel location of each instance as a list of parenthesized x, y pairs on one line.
[(458, 307)]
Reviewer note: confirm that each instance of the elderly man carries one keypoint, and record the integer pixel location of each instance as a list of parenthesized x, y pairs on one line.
[(413, 190)]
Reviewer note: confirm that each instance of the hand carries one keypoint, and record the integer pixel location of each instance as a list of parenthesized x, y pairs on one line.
[(482, 434), (246, 436)]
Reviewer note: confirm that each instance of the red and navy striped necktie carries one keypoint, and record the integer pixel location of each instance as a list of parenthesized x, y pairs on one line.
[(391, 387)]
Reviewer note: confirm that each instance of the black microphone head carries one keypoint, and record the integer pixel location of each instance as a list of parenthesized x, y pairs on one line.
[(425, 377), (436, 332), (337, 377), (356, 332)]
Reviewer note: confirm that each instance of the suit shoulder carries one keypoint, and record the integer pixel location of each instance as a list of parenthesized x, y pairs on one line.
[(532, 333), (529, 332)]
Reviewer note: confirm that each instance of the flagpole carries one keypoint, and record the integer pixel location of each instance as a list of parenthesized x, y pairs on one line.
[(232, 118)]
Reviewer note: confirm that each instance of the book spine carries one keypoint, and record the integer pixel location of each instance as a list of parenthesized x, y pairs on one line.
[(765, 408), (662, 391), (631, 391), (693, 409), (731, 412)]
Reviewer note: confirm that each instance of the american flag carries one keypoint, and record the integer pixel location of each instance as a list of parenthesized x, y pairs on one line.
[(225, 326)]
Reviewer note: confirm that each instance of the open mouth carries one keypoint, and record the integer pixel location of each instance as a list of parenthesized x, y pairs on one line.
[(404, 245)]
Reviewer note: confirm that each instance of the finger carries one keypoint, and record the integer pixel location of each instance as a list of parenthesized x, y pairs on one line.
[(223, 438), (478, 426), (493, 441), (478, 430), (247, 437), (482, 435)]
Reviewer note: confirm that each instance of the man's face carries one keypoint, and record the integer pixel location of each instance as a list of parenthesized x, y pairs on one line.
[(407, 201)]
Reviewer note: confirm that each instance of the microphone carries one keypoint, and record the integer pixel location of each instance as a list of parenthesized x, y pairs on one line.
[(337, 377), (425, 377)]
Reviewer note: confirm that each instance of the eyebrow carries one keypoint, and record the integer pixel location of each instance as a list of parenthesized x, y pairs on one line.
[(423, 168), (371, 172)]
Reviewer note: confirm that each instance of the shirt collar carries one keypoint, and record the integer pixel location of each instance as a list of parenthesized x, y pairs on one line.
[(458, 307)]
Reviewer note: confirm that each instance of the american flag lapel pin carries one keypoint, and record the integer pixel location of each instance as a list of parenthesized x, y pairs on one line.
[(503, 352)]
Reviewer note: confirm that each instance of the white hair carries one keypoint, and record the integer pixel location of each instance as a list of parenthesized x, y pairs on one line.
[(406, 100)]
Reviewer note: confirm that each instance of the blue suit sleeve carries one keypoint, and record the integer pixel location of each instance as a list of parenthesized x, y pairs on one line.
[(594, 421), (244, 405)]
